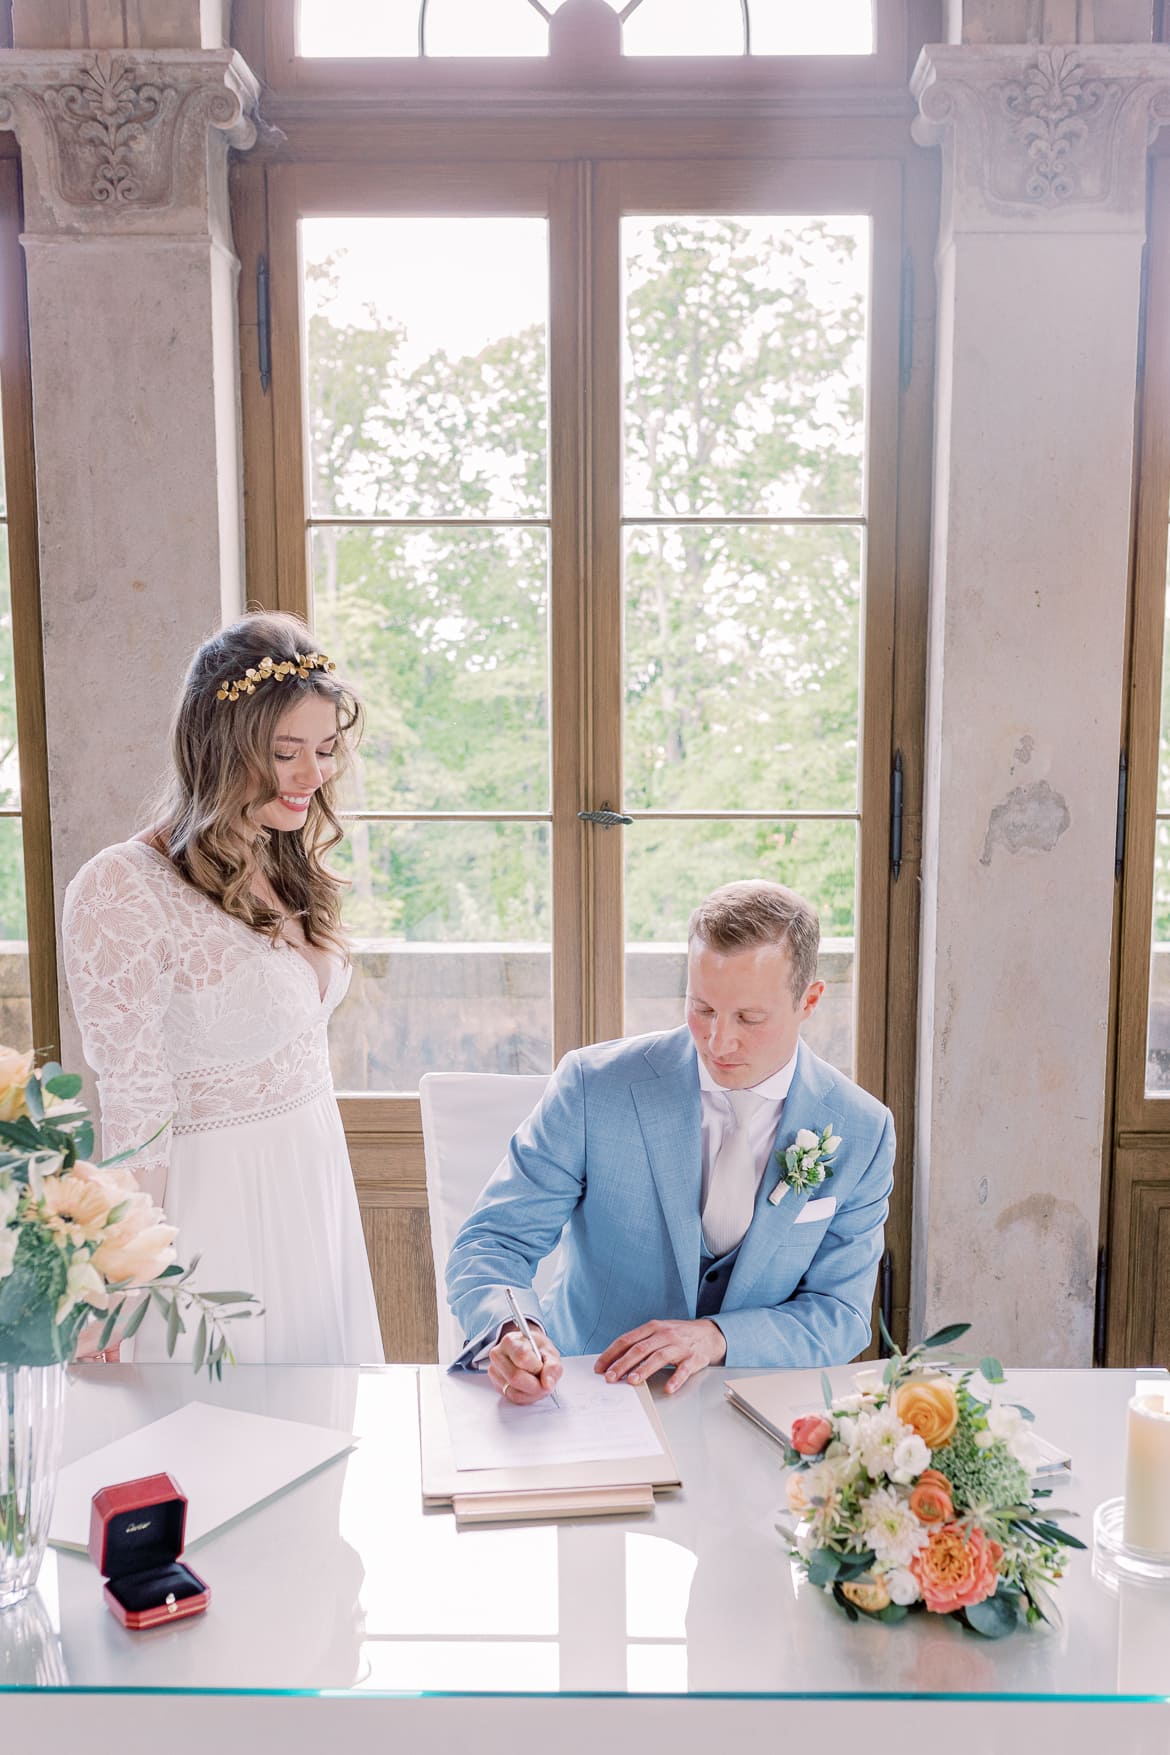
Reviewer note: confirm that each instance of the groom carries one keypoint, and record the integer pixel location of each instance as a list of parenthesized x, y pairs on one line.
[(657, 1164)]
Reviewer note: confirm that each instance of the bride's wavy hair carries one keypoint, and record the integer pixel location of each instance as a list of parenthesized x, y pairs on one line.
[(224, 773)]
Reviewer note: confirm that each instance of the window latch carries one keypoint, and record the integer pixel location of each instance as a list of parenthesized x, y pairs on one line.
[(604, 818)]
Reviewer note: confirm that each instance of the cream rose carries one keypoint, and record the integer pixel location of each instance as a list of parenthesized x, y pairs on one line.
[(136, 1246), (15, 1072)]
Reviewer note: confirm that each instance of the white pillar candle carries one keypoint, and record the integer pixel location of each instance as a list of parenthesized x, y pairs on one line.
[(1147, 1473)]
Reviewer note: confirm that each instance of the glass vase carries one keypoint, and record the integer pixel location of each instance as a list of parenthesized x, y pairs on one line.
[(32, 1410)]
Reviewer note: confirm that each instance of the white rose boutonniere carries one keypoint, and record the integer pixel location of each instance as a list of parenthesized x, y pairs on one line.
[(805, 1163)]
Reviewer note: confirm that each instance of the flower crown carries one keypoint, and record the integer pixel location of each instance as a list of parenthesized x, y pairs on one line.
[(300, 666)]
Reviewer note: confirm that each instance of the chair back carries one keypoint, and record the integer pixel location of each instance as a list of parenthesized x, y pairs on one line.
[(467, 1121)]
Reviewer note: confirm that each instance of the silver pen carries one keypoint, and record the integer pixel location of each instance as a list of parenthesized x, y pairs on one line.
[(521, 1322)]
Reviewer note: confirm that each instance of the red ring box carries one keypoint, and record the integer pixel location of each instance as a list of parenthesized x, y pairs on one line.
[(136, 1532)]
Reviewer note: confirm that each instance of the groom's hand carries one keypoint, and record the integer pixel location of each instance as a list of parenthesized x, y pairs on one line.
[(521, 1376), (688, 1346)]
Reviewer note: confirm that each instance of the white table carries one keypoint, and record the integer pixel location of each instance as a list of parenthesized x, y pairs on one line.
[(343, 1615)]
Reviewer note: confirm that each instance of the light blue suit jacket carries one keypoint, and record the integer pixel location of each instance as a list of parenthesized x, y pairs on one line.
[(612, 1157)]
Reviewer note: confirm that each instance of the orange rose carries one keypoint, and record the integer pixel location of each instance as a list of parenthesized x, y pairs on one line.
[(929, 1408), (955, 1569), (931, 1500), (872, 1596)]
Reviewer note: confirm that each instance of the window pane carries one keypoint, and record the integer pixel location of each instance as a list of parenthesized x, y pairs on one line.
[(745, 354), (357, 27), (742, 655), (9, 759), (452, 973), (1158, 1023), (684, 27), (444, 633), (486, 27), (15, 1008), (672, 866), (426, 401), (831, 27), (1158, 1042)]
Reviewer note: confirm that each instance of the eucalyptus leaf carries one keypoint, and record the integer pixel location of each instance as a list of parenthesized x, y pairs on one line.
[(34, 1100), (944, 1336), (136, 1321), (994, 1617), (174, 1329), (992, 1369), (200, 1343), (823, 1566), (826, 1389), (108, 1327), (60, 1084)]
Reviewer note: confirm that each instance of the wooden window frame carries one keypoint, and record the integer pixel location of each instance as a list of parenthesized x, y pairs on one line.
[(24, 576), (449, 130)]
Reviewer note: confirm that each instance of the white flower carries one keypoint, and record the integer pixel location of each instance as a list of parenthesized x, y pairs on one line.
[(84, 1285), (1009, 1424), (9, 1201), (869, 1381), (891, 1528), (878, 1437), (806, 1539), (984, 1440), (9, 1238), (902, 1586), (806, 1140), (832, 1143), (911, 1456)]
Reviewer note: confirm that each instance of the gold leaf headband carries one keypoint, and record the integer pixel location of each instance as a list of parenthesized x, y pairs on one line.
[(300, 666)]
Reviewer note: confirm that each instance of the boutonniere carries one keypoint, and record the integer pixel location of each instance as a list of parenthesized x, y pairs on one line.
[(805, 1163)]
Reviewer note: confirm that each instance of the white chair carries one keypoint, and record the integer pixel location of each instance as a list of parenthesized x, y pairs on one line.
[(467, 1121)]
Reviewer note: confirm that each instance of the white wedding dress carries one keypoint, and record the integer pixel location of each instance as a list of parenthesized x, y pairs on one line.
[(187, 1014)]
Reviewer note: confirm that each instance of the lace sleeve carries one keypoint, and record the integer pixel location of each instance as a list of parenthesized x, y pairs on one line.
[(119, 963)]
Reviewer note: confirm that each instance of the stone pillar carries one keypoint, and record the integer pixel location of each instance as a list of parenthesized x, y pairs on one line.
[(1039, 268), (132, 318)]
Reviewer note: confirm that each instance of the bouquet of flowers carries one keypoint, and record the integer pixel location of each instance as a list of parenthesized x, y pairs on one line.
[(79, 1240), (913, 1493)]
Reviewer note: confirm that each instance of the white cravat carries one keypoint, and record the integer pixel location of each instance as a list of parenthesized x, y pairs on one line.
[(732, 1184)]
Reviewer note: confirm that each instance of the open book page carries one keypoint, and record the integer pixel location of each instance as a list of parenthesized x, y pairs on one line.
[(596, 1422)]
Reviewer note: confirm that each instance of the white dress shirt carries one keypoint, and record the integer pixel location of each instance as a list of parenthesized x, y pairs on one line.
[(717, 1118)]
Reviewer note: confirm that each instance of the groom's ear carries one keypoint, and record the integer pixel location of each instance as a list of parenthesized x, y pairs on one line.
[(811, 1000)]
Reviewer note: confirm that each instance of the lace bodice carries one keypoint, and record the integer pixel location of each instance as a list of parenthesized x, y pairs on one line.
[(185, 1012)]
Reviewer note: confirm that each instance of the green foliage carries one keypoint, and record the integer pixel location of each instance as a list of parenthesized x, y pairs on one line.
[(29, 1296), (743, 395)]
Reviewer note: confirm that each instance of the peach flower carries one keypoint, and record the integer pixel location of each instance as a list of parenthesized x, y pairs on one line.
[(139, 1244), (931, 1500), (15, 1072), (929, 1408), (810, 1434), (955, 1569), (871, 1596), (79, 1203)]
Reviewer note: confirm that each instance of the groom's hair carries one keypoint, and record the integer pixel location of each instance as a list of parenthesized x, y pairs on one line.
[(739, 916)]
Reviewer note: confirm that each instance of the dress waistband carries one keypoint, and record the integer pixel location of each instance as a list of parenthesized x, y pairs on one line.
[(243, 1118)]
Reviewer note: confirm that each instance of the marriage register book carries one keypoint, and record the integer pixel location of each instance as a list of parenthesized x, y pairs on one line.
[(603, 1451)]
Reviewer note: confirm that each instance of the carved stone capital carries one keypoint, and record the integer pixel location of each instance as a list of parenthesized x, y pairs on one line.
[(1043, 138), (115, 142)]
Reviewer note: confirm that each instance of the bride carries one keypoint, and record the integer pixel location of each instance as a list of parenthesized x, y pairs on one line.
[(204, 958)]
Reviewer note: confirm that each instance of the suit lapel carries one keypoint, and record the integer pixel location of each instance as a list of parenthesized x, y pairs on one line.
[(804, 1106), (670, 1117)]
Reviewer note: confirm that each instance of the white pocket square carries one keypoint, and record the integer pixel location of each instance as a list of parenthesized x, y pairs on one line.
[(817, 1209)]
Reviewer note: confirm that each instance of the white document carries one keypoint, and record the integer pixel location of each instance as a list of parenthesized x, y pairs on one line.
[(224, 1461), (596, 1421)]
